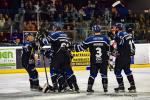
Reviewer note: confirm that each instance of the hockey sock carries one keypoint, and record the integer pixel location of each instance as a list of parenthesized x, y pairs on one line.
[(131, 80), (90, 82), (120, 81), (31, 82), (69, 83), (54, 81), (33, 77), (61, 82), (73, 81), (105, 83)]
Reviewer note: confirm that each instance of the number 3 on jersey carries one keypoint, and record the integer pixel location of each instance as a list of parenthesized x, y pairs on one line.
[(98, 52)]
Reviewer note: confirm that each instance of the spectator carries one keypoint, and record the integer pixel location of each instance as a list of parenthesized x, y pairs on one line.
[(2, 21), (59, 18), (8, 23), (59, 6), (82, 13), (17, 38), (30, 26)]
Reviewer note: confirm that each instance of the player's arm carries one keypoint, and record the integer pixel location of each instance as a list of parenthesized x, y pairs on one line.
[(108, 47), (82, 46), (131, 44), (44, 40)]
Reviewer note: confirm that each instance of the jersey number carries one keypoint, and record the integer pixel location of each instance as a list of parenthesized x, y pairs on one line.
[(98, 52), (131, 44)]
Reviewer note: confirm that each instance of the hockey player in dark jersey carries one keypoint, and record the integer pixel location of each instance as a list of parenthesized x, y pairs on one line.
[(98, 45), (28, 61), (125, 49), (60, 63), (53, 74)]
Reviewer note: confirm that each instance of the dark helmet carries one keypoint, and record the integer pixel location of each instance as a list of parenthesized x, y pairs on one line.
[(96, 28), (129, 30), (26, 34), (119, 26)]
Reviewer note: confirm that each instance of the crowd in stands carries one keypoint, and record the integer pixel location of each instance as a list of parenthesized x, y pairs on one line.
[(76, 17)]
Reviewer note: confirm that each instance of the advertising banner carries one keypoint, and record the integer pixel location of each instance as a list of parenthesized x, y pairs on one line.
[(7, 58), (81, 58)]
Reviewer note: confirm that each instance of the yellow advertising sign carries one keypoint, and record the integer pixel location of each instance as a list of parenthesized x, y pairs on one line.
[(81, 58)]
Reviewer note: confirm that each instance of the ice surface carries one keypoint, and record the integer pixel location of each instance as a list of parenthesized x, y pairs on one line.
[(16, 87)]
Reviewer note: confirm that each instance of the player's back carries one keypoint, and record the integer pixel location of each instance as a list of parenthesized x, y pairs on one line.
[(59, 40), (99, 47), (124, 40)]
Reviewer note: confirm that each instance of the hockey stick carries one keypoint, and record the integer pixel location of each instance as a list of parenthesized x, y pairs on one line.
[(47, 86), (45, 70)]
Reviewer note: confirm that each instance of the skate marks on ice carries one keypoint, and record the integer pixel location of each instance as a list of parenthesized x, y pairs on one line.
[(35, 95)]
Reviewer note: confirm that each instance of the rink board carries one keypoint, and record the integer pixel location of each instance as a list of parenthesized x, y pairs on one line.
[(76, 68)]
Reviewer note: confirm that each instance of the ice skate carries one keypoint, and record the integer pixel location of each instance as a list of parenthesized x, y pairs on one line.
[(47, 88), (35, 88), (132, 89), (119, 89)]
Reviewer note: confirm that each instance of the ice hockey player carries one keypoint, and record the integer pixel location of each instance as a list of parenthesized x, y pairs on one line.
[(61, 58), (98, 45), (29, 58), (125, 49), (53, 74)]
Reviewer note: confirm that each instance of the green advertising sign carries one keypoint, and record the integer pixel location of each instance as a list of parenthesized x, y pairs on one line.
[(4, 54), (7, 58)]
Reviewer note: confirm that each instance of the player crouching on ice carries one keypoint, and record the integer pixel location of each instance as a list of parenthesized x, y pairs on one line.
[(29, 58), (98, 45)]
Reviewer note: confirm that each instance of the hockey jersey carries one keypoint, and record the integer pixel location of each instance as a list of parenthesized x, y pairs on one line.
[(59, 41), (29, 49), (125, 43), (98, 46)]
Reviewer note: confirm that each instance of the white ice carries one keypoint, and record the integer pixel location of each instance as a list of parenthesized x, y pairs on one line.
[(16, 87)]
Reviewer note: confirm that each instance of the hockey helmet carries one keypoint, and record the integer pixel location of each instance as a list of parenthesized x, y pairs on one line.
[(119, 26), (96, 28), (26, 34)]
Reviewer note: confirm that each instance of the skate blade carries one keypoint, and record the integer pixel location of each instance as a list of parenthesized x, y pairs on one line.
[(90, 93), (33, 89), (120, 91), (76, 91), (105, 92), (132, 91)]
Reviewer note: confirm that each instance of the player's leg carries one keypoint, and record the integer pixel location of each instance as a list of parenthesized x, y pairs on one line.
[(111, 63), (53, 75), (119, 77), (130, 77), (93, 75), (71, 78), (33, 77), (60, 77), (61, 81), (56, 73), (68, 83), (103, 71)]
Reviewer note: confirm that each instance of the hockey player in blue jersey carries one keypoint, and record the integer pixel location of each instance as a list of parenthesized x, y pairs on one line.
[(61, 59), (29, 59), (125, 49), (98, 45)]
